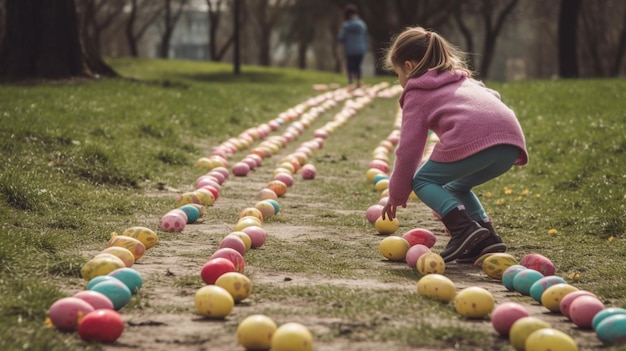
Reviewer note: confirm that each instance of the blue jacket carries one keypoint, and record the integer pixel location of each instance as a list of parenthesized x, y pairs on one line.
[(353, 35)]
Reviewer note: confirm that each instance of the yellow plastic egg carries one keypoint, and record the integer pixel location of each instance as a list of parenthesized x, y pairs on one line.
[(146, 235), (382, 185), (551, 298), (386, 226), (255, 332), (238, 285), (474, 302), (431, 263), (495, 264), (549, 339), (122, 253), (393, 248), (247, 221), (437, 287), (214, 302), (131, 244), (292, 337), (101, 264), (522, 328)]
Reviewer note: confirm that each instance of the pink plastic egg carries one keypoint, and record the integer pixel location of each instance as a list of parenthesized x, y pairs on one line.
[(539, 263), (308, 171), (234, 243), (96, 299), (240, 169), (583, 309), (257, 235), (373, 212), (414, 254), (65, 312), (567, 300), (504, 315), (173, 222)]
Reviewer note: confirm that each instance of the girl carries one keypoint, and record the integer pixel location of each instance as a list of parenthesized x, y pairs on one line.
[(480, 139)]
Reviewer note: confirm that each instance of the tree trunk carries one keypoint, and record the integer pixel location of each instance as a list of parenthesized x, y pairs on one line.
[(568, 48), (42, 40)]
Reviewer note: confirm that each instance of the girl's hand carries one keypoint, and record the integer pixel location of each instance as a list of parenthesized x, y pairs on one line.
[(389, 211)]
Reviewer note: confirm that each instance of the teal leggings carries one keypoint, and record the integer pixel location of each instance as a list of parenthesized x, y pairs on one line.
[(444, 186)]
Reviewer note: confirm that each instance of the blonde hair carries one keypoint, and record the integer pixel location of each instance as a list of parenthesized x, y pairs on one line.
[(427, 50)]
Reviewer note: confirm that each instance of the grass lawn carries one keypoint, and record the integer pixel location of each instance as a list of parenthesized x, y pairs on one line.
[(81, 157)]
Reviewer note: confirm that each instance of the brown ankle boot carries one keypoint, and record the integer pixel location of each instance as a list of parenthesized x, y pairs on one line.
[(465, 234), (492, 244)]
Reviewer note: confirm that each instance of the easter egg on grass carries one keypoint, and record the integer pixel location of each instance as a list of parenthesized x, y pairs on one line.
[(173, 222), (540, 286), (373, 213), (292, 337), (255, 332), (522, 328), (495, 264), (275, 204), (505, 314), (612, 330), (251, 211), (266, 208), (285, 178), (566, 301), (583, 309), (240, 169), (65, 313), (247, 222), (420, 236), (308, 172), (192, 212), (437, 287), (539, 263), (131, 244), (266, 193), (238, 285), (122, 253), (430, 263), (552, 296), (414, 253), (474, 302), (116, 291), (96, 299), (244, 237), (257, 235), (232, 255), (98, 279), (525, 279), (605, 313), (278, 187), (215, 268), (234, 242), (130, 277), (509, 274), (101, 325), (207, 197), (146, 235), (102, 264), (549, 339), (386, 226), (393, 248), (214, 302)]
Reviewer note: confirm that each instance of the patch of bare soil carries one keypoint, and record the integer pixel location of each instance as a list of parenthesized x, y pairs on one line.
[(167, 319)]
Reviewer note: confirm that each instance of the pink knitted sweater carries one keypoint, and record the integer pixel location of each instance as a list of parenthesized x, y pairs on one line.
[(466, 116)]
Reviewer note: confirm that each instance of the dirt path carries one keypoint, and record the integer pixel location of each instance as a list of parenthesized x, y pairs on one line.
[(164, 316)]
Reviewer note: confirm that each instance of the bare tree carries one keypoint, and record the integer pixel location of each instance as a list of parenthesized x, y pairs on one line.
[(150, 12), (96, 16), (568, 29), (169, 23), (42, 40), (492, 14), (264, 16), (602, 43), (215, 11)]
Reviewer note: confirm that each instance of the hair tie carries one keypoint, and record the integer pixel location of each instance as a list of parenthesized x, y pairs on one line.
[(427, 35)]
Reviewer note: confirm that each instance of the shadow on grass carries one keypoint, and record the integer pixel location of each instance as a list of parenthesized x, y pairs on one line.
[(247, 77)]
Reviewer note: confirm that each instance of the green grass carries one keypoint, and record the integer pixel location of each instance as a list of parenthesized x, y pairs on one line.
[(79, 157)]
